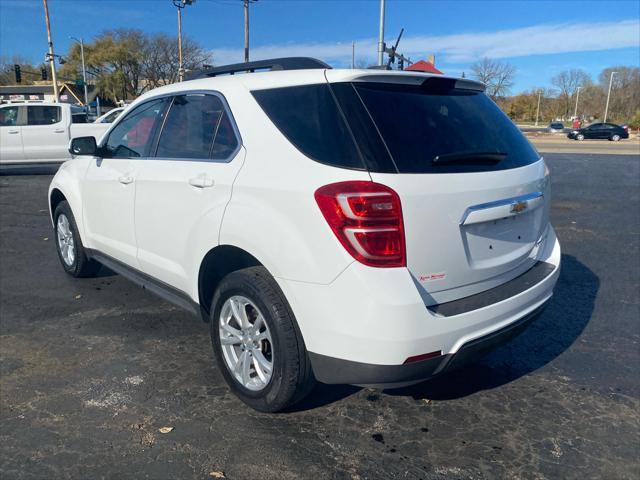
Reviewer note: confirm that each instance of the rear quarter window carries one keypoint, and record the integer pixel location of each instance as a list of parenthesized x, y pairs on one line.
[(309, 117)]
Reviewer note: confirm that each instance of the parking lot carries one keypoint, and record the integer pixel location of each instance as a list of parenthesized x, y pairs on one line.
[(91, 369)]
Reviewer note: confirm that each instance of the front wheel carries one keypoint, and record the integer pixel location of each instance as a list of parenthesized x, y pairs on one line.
[(615, 138), (71, 252), (257, 343), (580, 137)]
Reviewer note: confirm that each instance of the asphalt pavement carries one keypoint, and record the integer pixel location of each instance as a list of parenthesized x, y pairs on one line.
[(92, 369)]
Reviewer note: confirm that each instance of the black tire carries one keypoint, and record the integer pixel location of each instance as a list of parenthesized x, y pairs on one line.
[(615, 138), (81, 266), (292, 378)]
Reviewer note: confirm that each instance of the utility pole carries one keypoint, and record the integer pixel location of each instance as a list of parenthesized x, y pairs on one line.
[(575, 111), (180, 67), (353, 55), (538, 109), (606, 109), (84, 72), (246, 28), (180, 4), (51, 56), (381, 36), (246, 31)]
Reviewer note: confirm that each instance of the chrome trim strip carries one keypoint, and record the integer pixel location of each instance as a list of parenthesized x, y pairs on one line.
[(501, 203)]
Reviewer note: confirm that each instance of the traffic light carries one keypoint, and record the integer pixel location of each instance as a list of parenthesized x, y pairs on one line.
[(43, 73), (16, 69)]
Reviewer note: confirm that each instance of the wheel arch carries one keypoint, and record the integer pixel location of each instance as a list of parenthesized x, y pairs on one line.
[(55, 197), (216, 264)]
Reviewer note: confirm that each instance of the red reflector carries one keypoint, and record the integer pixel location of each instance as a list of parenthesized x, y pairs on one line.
[(424, 356), (367, 219)]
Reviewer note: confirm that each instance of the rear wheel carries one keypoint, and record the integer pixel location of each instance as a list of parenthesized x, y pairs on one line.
[(71, 252), (580, 137), (615, 138), (257, 342)]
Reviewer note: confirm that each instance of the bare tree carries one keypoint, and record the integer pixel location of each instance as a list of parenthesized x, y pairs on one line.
[(567, 83), (497, 76), (125, 62), (160, 60), (625, 92)]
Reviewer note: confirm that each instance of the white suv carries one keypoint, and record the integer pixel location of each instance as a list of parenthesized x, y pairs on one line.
[(364, 227)]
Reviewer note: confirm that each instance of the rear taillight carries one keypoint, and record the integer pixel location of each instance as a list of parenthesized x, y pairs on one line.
[(367, 219)]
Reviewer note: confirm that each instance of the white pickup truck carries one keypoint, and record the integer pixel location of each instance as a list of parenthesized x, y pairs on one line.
[(40, 132)]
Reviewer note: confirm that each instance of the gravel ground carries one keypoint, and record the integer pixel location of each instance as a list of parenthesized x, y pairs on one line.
[(91, 370)]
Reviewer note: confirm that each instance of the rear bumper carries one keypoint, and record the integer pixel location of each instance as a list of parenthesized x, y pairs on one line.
[(362, 327), (338, 371)]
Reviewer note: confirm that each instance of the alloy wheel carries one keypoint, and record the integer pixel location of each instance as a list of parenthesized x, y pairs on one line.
[(66, 244), (245, 339)]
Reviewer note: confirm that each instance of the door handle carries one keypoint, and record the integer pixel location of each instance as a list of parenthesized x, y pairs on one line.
[(125, 179), (13, 132), (58, 131), (201, 181)]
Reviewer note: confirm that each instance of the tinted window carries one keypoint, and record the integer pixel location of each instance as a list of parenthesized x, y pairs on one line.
[(133, 136), (225, 142), (310, 119), (420, 123), (197, 127), (595, 126), (8, 116), (79, 118), (42, 115)]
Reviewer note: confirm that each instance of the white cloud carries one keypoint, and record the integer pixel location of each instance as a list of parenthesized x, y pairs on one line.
[(464, 47)]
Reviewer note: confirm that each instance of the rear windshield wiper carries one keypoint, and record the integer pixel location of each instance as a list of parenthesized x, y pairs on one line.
[(471, 157)]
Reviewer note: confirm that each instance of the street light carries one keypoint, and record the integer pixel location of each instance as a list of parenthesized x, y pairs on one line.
[(180, 4), (84, 72), (606, 109), (575, 112)]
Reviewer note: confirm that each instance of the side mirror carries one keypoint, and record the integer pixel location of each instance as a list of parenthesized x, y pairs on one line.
[(83, 146)]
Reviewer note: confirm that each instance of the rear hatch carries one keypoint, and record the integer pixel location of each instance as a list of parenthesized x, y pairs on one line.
[(473, 190)]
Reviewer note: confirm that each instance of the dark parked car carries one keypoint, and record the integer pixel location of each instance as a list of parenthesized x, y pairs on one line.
[(607, 131)]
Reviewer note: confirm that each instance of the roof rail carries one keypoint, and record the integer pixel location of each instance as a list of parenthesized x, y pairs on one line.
[(285, 63)]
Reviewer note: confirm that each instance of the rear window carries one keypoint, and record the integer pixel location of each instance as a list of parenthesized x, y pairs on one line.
[(43, 115), (394, 128), (434, 128)]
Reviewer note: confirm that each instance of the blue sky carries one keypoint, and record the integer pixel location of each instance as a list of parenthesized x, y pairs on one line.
[(541, 38)]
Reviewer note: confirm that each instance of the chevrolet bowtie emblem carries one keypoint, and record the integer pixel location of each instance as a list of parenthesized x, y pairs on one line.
[(518, 207)]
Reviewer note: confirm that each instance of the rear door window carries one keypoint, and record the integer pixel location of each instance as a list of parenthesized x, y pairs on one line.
[(133, 136), (43, 115), (436, 128), (197, 127)]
